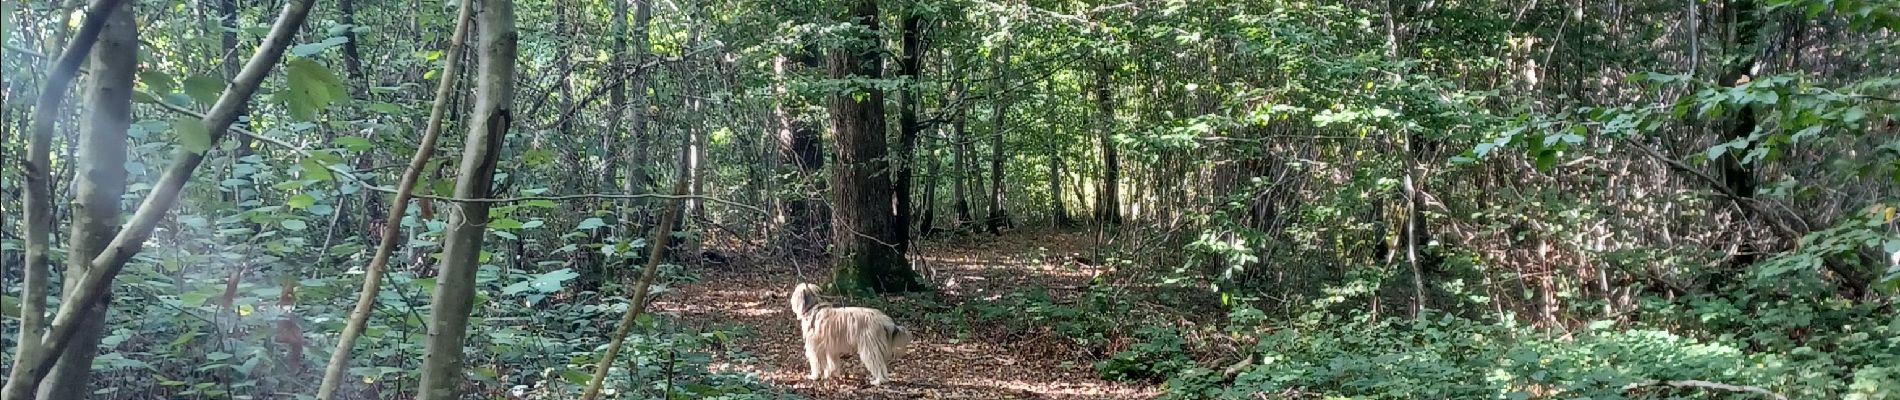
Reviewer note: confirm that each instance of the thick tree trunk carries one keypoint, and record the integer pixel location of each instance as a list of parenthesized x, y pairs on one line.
[(998, 216), (869, 258), (98, 186), (442, 367), (1108, 206)]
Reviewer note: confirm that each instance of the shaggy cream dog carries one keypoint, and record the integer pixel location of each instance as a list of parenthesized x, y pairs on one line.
[(831, 332)]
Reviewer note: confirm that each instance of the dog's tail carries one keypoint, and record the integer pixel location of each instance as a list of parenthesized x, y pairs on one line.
[(900, 339)]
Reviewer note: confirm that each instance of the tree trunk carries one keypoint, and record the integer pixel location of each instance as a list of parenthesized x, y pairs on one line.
[(92, 288), (1059, 213), (998, 216), (442, 367), (634, 217), (799, 149), (352, 55), (98, 186), (37, 165), (934, 170), (960, 141), (869, 258), (911, 69), (1108, 206)]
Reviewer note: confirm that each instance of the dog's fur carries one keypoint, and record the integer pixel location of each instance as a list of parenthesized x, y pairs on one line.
[(831, 332)]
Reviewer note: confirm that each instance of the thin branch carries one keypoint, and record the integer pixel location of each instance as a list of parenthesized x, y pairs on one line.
[(367, 185), (1719, 186), (618, 81), (1705, 385)]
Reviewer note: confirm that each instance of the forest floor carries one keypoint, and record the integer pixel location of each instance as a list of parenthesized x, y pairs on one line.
[(945, 361)]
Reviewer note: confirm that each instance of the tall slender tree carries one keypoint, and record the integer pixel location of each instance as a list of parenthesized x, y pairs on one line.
[(1000, 97), (97, 189), (454, 298)]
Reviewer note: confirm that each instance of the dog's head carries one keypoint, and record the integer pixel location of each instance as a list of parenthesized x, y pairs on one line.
[(804, 298)]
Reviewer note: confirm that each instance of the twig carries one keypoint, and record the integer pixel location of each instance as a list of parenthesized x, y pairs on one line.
[(1705, 385)]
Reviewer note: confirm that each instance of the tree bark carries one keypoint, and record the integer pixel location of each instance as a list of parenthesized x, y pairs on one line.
[(998, 215), (37, 166), (869, 258), (373, 277), (911, 70), (800, 149), (1108, 206), (98, 185), (639, 178), (93, 287), (442, 366), (961, 143)]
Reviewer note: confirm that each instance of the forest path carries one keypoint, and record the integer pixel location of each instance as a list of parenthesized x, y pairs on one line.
[(941, 364)]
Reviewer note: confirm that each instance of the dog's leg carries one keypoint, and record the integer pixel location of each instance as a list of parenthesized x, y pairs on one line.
[(812, 358), (832, 363), (874, 362)]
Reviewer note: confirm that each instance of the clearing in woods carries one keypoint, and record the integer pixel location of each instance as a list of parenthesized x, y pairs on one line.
[(941, 364)]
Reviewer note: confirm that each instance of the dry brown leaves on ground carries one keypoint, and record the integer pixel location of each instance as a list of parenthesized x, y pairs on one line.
[(941, 364)]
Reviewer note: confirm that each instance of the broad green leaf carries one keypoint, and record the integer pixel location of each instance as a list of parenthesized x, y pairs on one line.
[(204, 89), (157, 81), (549, 282), (314, 169), (312, 87), (294, 224), (591, 223), (192, 134), (354, 143), (301, 200), (505, 223)]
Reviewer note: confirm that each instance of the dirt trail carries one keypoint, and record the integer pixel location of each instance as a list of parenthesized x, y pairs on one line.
[(940, 364)]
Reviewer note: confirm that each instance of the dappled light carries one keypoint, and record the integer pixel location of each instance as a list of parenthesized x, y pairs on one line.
[(949, 199)]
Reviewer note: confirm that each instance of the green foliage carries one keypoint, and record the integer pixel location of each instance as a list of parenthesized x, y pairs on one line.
[(1160, 353), (1450, 357)]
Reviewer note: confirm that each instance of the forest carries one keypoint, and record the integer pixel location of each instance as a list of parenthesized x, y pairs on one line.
[(995, 199)]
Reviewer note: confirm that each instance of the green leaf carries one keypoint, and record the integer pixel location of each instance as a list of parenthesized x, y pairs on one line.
[(293, 224), (204, 89), (505, 223), (1716, 151), (591, 223), (314, 169), (301, 200), (354, 143), (549, 282), (312, 87), (539, 203), (192, 134), (309, 49), (1853, 115), (576, 376), (385, 108), (157, 81)]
